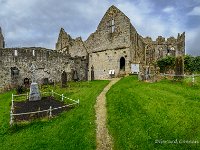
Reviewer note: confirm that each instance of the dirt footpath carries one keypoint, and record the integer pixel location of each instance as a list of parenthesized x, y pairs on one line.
[(104, 140)]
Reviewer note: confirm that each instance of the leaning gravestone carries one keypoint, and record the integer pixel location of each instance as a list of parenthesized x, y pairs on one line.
[(63, 79), (34, 90)]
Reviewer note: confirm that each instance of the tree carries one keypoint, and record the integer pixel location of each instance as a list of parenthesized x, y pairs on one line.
[(189, 63), (165, 64), (196, 64)]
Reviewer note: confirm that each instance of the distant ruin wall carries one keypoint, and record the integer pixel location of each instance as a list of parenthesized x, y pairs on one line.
[(49, 64)]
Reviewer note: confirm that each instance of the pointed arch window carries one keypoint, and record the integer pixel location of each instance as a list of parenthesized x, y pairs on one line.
[(15, 52), (33, 52)]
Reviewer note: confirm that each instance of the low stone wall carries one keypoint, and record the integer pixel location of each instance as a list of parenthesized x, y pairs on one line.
[(49, 64)]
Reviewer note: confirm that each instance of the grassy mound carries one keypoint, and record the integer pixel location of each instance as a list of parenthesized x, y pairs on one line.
[(74, 129), (163, 115)]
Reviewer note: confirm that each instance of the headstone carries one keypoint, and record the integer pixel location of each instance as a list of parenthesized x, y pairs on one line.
[(34, 90), (92, 73), (63, 79), (26, 82)]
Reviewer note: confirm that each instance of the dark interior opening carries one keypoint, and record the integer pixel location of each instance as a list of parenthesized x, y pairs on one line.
[(122, 63)]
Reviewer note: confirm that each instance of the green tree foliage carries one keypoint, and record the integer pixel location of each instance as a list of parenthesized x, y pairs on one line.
[(166, 63), (196, 64), (192, 64), (188, 63)]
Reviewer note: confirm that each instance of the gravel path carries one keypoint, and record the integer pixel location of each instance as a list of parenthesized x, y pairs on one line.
[(104, 140)]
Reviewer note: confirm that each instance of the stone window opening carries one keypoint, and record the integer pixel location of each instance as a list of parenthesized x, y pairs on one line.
[(122, 64), (33, 52), (112, 25), (15, 53)]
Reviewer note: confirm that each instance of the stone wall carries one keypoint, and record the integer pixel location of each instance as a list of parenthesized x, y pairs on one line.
[(78, 48), (2, 42), (115, 38), (49, 64), (109, 43), (106, 39), (104, 61), (115, 45)]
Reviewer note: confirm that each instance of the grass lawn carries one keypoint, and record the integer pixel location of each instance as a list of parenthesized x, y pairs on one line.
[(154, 116), (70, 130)]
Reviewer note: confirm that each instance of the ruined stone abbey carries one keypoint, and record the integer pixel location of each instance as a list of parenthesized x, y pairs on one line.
[(110, 51)]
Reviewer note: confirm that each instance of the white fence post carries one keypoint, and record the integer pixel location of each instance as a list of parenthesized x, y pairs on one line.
[(51, 92), (12, 101), (50, 113), (78, 102), (12, 97), (192, 79), (11, 118), (62, 97)]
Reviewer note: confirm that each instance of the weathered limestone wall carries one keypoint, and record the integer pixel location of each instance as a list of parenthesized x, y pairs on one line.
[(109, 43), (73, 47), (104, 38), (115, 38), (78, 48), (50, 64), (64, 41), (108, 60), (2, 43), (164, 47)]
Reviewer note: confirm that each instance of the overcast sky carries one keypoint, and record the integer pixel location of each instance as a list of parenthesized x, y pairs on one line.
[(37, 22)]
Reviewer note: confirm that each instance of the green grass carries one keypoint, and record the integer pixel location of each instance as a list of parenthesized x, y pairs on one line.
[(140, 113), (74, 129)]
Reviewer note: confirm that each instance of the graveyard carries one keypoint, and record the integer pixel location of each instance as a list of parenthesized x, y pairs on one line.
[(73, 129), (140, 115), (115, 75)]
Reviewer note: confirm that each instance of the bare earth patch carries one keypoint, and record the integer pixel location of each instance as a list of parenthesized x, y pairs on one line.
[(33, 106), (104, 140)]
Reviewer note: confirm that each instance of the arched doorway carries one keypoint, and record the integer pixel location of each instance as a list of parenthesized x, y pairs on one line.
[(122, 64)]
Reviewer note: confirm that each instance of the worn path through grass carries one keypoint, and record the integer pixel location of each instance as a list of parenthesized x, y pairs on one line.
[(104, 141), (154, 116), (72, 130)]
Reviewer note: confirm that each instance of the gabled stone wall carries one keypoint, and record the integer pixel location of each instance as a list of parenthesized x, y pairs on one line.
[(104, 39)]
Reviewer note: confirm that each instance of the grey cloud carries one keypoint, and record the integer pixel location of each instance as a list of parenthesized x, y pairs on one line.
[(37, 22)]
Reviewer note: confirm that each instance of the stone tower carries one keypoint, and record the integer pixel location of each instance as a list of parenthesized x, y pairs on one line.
[(2, 42)]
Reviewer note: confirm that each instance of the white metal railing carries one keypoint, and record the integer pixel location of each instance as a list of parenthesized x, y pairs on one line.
[(49, 111)]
